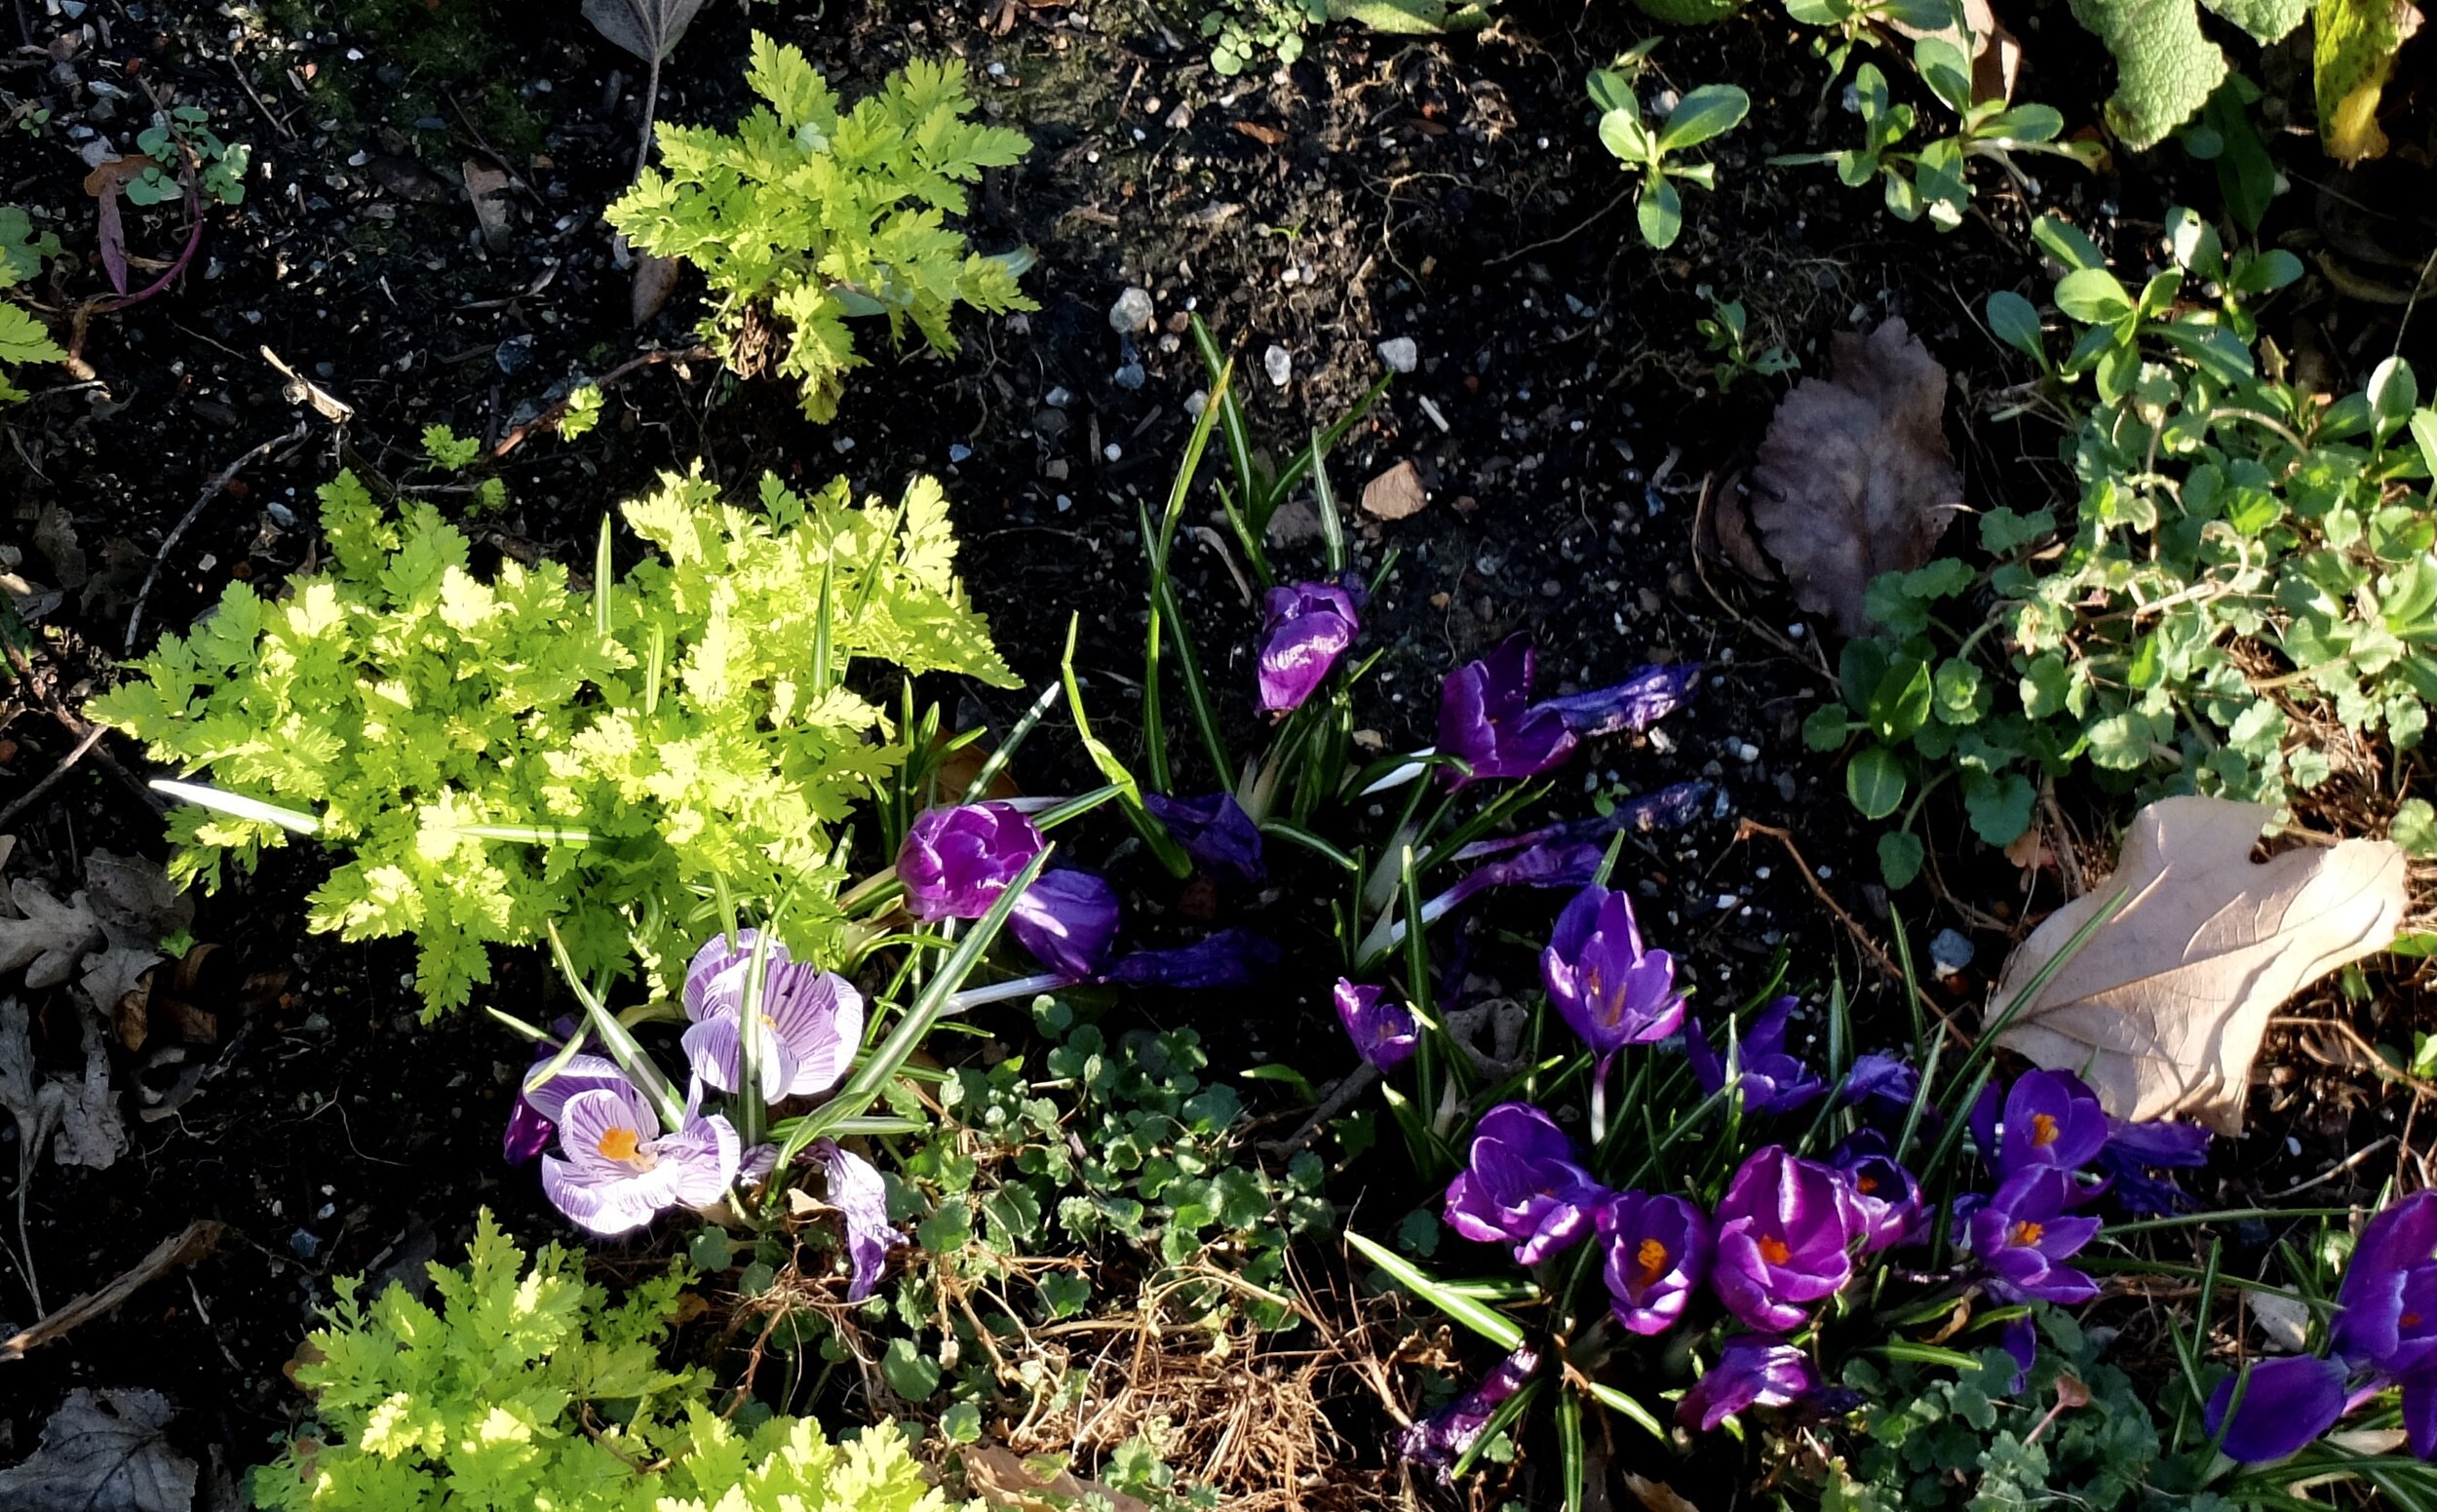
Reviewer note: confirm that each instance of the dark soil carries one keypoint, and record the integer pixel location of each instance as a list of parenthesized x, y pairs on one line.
[(1450, 192)]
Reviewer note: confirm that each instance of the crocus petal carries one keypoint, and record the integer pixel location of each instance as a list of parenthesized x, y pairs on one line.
[(2419, 1413), (955, 862), (1306, 627), (1230, 958), (1668, 808), (2398, 1247), (1067, 920), (2286, 1404), (817, 1016), (1442, 1438), (1382, 1029), (608, 1209), (1635, 704), (701, 1159), (1484, 719), (1216, 832), (1751, 1372), (861, 1197)]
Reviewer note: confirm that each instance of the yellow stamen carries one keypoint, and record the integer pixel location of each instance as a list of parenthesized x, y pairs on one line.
[(1774, 1250), (2027, 1233), (2043, 1130), (619, 1144)]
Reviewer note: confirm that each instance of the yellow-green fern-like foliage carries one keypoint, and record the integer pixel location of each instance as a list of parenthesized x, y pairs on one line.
[(494, 756), (525, 1390), (812, 214)]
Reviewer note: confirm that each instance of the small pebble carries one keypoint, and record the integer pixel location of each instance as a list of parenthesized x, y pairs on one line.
[(1111, 453), (1130, 376), (958, 452), (1279, 365), (1400, 354), (1065, 503), (1132, 312), (1950, 952)]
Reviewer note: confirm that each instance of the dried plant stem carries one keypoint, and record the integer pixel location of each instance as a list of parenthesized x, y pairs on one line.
[(549, 414), (169, 542), (1745, 829), (51, 780)]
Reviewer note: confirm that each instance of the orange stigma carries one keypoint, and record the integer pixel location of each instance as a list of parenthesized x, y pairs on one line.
[(2026, 1233), (2043, 1130), (1774, 1251), (620, 1143), (1866, 1184), (1651, 1260)]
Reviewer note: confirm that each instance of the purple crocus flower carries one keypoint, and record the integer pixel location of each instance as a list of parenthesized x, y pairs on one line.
[(1610, 989), (2019, 1341), (1751, 1370), (808, 1028), (1381, 1030), (2024, 1233), (1486, 718), (2134, 1151), (2388, 1298), (1215, 830), (1786, 1230), (1638, 702), (1230, 958), (1067, 920), (1522, 1185), (1772, 1081), (861, 1198), (1668, 808), (1658, 1253), (1884, 1087), (2051, 1119), (1443, 1438), (534, 1117), (1542, 865), (1305, 630), (955, 862), (1890, 1199), (617, 1168), (2286, 1404)]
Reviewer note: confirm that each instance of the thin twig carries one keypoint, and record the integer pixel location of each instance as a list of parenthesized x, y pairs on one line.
[(2334, 1171), (27, 798), (549, 414), (211, 491), (1745, 829)]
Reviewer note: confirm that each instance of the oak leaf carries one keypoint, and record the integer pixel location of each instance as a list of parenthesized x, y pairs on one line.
[(1854, 477), (103, 1451), (2163, 1008)]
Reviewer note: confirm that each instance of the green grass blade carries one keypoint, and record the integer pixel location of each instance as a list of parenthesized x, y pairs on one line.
[(1129, 792), (1484, 1320)]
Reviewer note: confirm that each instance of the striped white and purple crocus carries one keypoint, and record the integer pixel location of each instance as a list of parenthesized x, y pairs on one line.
[(807, 1028), (618, 1167)]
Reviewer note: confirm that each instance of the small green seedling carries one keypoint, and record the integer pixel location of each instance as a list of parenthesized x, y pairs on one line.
[(1730, 341), (1649, 149)]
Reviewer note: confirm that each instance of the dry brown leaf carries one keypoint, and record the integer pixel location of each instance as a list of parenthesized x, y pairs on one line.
[(103, 1451), (653, 280), (1656, 1495), (197, 1240), (1395, 493), (1854, 477), (1002, 1478), (52, 937), (82, 1110), (647, 28), (488, 186), (2164, 1009)]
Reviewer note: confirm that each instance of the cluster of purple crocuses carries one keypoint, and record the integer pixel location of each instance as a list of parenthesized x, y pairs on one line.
[(1787, 1232), (621, 1159)]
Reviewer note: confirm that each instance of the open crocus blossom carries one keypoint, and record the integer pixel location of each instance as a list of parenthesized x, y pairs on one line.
[(861, 1198), (1658, 1255), (1771, 1080), (2284, 1405), (1442, 1438), (2052, 1119), (616, 1168), (1486, 718), (1889, 1197), (2388, 1299), (1522, 1185), (1751, 1370), (955, 862), (2135, 1152), (1883, 1087), (1609, 988), (1215, 830), (1382, 1029), (1305, 629), (1786, 1230), (1638, 702), (807, 1031), (2024, 1235), (1067, 920)]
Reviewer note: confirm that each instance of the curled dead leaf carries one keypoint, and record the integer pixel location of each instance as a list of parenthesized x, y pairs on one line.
[(2164, 1009), (1854, 477)]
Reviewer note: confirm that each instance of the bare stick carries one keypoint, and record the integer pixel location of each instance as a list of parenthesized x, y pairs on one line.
[(1745, 829), (211, 491), (10, 813), (551, 413)]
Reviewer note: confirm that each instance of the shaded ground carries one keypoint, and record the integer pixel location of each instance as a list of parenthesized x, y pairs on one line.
[(1449, 192)]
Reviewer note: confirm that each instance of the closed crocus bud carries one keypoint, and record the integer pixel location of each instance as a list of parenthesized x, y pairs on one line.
[(1067, 920), (1771, 1080), (1751, 1370), (2284, 1406), (1216, 832), (955, 862), (1522, 1185), (1382, 1029), (1658, 1253), (1786, 1231), (1486, 717), (1889, 1197), (1305, 630), (1609, 988)]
